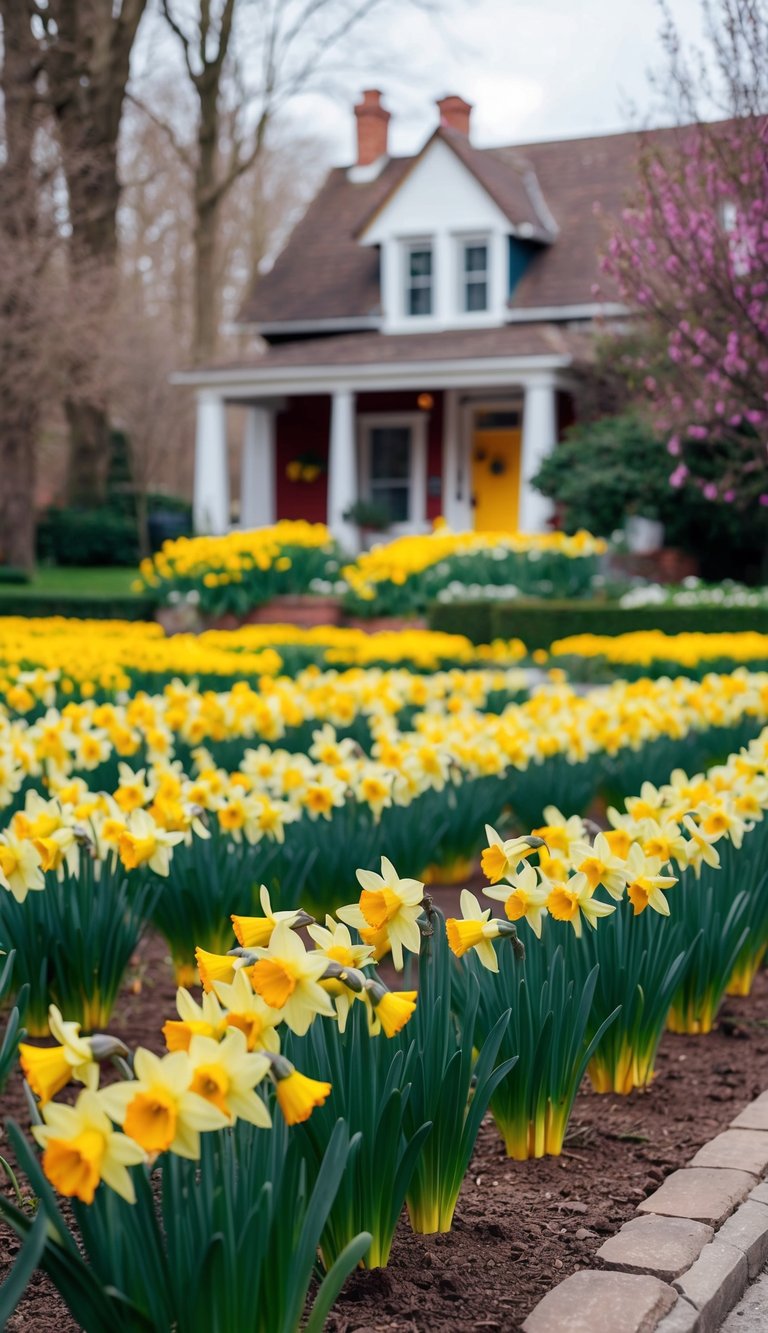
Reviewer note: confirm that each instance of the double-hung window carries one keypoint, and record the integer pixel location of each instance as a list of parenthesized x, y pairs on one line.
[(474, 276), (419, 279)]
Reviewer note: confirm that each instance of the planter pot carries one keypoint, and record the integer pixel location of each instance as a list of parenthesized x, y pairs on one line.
[(384, 624), (644, 535)]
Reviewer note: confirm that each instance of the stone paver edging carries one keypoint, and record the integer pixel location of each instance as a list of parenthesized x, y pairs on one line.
[(683, 1263)]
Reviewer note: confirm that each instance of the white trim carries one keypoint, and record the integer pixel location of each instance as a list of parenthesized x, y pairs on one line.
[(466, 373), (537, 314), (416, 422)]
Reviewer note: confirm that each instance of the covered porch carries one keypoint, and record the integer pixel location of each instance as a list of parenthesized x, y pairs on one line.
[(461, 439)]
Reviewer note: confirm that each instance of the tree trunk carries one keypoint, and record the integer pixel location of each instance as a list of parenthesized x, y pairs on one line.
[(20, 301), (205, 333), (87, 62)]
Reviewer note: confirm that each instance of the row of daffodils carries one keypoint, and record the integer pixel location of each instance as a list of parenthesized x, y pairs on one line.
[(173, 808), (242, 570), (54, 660), (249, 1147)]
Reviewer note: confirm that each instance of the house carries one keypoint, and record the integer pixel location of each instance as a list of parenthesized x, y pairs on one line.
[(421, 333)]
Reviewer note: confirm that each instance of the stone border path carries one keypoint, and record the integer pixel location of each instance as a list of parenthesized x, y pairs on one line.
[(685, 1261)]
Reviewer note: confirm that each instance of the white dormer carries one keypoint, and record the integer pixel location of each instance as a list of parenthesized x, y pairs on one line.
[(444, 246)]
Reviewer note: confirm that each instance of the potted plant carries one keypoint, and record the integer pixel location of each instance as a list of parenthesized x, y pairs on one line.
[(372, 519)]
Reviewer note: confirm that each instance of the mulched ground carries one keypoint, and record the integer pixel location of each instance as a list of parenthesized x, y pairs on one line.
[(520, 1227)]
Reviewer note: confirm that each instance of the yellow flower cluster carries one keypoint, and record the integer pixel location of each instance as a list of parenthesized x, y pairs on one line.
[(221, 560), (400, 560), (42, 660), (219, 1052), (450, 740), (644, 647)]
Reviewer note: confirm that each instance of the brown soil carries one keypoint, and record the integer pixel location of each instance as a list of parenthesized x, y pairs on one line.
[(520, 1227)]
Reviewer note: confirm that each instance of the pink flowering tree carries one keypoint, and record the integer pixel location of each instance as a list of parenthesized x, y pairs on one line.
[(691, 255)]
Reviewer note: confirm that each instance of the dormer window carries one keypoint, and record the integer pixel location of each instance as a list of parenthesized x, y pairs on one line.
[(419, 279), (474, 275)]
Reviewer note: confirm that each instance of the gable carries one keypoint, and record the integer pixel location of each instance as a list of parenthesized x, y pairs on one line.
[(438, 189)]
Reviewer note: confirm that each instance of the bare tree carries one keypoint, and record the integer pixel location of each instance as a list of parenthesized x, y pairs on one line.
[(244, 63), (84, 48)]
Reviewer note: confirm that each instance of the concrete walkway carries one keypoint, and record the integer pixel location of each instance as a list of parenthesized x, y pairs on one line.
[(751, 1314)]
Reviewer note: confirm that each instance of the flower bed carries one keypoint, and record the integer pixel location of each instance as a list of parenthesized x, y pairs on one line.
[(233, 823), (402, 577), (231, 575)]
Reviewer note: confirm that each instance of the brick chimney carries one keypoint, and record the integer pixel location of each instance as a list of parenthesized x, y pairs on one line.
[(455, 114), (372, 125)]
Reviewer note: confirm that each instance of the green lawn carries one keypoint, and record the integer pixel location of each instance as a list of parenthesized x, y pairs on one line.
[(58, 581)]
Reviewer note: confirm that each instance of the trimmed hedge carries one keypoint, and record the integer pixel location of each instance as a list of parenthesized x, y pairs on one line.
[(104, 607), (540, 623)]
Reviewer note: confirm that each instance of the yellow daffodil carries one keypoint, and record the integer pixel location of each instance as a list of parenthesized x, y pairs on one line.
[(475, 931), (601, 865), (207, 1020), (226, 1074), (388, 903), (572, 899), (391, 1009), (81, 1148), (20, 866), (146, 843), (287, 977), (158, 1110), (247, 1011), (298, 1095), (254, 932), (48, 1069), (646, 886), (523, 897), (502, 856)]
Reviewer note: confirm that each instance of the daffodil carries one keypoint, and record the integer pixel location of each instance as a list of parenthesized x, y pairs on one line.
[(255, 931), (247, 1011), (601, 865), (287, 977), (475, 931), (226, 1074), (81, 1148), (298, 1095), (502, 856), (391, 1009), (20, 866), (48, 1069), (146, 843), (523, 897), (215, 967), (388, 903), (570, 900), (335, 942), (646, 886), (158, 1110), (701, 850), (207, 1020)]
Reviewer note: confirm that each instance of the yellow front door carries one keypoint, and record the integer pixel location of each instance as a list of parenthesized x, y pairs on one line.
[(495, 474)]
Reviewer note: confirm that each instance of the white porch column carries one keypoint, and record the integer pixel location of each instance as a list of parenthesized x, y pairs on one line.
[(342, 468), (257, 473), (211, 493), (539, 439), (452, 461)]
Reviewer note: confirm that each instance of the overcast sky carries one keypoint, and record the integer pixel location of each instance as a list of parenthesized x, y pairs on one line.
[(534, 69)]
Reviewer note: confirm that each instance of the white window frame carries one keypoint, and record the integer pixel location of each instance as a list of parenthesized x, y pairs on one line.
[(417, 490), (464, 243), (407, 248)]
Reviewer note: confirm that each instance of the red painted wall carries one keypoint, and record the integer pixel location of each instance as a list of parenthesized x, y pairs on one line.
[(303, 428)]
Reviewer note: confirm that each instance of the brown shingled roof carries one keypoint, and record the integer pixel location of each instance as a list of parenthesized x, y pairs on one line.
[(362, 349), (324, 273)]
